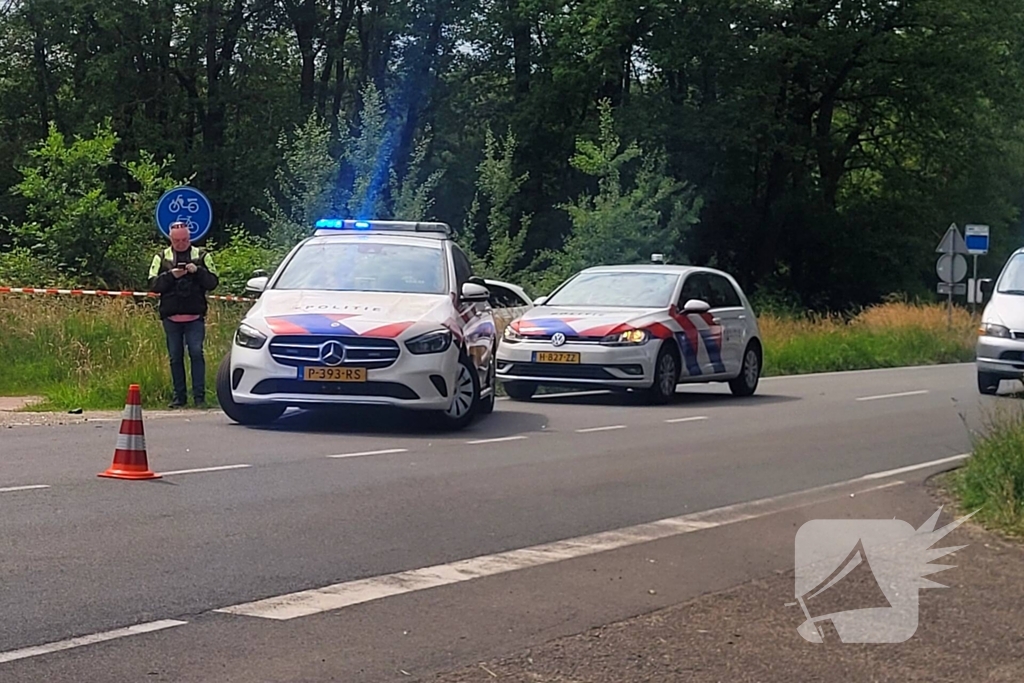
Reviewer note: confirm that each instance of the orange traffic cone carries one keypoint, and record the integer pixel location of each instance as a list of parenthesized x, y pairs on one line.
[(130, 455)]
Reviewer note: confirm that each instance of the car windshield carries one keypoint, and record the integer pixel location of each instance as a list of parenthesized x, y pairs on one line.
[(628, 290), (1012, 279), (366, 267)]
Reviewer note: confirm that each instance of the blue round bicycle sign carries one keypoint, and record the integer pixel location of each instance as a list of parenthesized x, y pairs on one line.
[(188, 205)]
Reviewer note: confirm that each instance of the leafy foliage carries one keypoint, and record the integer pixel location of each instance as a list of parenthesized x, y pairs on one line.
[(626, 220), (74, 223)]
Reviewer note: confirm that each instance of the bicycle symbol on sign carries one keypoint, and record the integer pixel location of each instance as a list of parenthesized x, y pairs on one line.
[(193, 228), (179, 203)]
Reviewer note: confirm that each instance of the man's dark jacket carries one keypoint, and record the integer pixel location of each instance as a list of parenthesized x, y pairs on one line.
[(185, 295)]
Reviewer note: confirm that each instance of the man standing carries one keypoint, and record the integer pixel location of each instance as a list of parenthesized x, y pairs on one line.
[(182, 274)]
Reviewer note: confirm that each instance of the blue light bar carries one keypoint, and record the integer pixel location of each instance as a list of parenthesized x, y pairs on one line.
[(327, 225)]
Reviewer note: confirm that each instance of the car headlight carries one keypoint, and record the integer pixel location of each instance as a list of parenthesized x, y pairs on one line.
[(431, 342), (511, 335), (629, 337), (993, 330), (249, 337)]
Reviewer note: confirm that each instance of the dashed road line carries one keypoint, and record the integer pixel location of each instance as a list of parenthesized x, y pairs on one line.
[(902, 394), (199, 470), (697, 418), (600, 429), (501, 439), (32, 487), (364, 454), (72, 643)]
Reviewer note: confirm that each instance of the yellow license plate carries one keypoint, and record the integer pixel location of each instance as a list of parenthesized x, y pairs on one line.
[(556, 357), (334, 374)]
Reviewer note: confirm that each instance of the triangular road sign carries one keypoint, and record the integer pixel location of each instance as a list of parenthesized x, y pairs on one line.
[(952, 242)]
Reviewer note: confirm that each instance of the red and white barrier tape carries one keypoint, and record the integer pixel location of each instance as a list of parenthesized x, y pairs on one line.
[(103, 292)]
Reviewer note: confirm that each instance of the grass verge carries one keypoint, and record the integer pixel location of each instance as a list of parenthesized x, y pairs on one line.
[(992, 479), (84, 352)]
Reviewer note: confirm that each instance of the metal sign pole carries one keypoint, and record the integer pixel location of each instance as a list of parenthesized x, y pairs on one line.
[(949, 305), (974, 284)]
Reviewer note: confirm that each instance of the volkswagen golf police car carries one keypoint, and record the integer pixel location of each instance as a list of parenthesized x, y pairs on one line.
[(646, 327), (365, 312)]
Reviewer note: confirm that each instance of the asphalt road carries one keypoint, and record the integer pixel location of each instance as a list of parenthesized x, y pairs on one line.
[(188, 555)]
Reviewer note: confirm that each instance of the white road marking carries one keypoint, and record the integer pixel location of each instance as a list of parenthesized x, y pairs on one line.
[(338, 596), (497, 440), (870, 371), (600, 429), (570, 394), (71, 643), (699, 418), (33, 487), (199, 470), (912, 468), (902, 394), (388, 451)]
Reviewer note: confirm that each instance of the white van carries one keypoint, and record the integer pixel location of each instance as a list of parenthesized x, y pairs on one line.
[(1000, 349)]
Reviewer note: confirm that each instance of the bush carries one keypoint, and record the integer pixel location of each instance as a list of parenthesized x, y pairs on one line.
[(992, 479), (240, 257)]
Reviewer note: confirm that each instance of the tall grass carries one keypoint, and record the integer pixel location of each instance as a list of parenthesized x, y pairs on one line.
[(84, 352), (892, 334), (992, 479)]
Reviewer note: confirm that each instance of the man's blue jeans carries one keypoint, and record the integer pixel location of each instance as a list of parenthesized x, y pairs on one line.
[(192, 335)]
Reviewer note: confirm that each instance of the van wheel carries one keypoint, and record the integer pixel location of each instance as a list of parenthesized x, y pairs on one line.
[(520, 391), (666, 377), (745, 384), (988, 383), (240, 412), (465, 396)]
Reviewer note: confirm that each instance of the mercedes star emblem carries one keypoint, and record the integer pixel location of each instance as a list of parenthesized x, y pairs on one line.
[(332, 353)]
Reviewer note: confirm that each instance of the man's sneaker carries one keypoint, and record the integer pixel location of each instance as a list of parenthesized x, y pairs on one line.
[(175, 405), (201, 404)]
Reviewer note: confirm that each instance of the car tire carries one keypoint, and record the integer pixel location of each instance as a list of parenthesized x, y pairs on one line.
[(486, 406), (520, 391), (988, 383), (666, 376), (465, 397), (239, 412), (745, 384)]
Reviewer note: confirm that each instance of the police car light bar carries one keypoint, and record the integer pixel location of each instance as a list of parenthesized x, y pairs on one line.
[(327, 225)]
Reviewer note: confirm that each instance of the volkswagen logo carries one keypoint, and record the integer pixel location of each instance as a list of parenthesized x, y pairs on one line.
[(332, 353), (558, 339)]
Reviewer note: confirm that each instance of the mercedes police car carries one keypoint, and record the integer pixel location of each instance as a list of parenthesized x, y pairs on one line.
[(646, 327), (365, 312)]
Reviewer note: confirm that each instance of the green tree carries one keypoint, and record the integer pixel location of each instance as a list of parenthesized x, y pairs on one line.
[(73, 221), (500, 187), (631, 216)]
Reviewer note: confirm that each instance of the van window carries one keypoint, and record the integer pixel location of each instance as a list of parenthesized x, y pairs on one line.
[(1012, 279)]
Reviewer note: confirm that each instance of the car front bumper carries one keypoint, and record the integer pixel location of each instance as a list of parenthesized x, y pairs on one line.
[(420, 382), (1000, 356), (614, 366)]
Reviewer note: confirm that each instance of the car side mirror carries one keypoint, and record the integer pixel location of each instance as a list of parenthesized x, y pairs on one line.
[(985, 286), (257, 284), (696, 306), (259, 272), (540, 301), (471, 291)]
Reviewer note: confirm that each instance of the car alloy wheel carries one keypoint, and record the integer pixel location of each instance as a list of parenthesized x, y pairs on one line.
[(666, 377), (463, 395), (745, 384)]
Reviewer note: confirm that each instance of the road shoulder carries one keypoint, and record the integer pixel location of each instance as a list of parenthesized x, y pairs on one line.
[(968, 631)]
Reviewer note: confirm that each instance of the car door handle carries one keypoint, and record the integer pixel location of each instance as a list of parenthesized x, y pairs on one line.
[(716, 321)]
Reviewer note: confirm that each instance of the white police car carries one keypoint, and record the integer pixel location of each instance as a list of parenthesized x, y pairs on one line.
[(645, 327), (365, 312)]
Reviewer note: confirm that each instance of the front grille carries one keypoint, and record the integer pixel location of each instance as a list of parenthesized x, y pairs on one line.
[(1016, 356), (298, 386), (1017, 334), (556, 371), (363, 352)]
